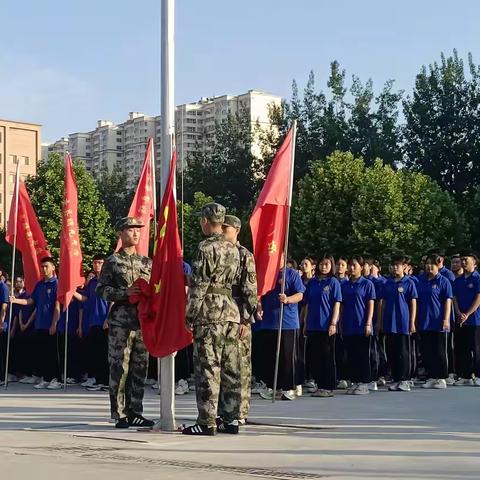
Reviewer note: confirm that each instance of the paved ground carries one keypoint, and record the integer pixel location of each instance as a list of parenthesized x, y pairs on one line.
[(418, 435)]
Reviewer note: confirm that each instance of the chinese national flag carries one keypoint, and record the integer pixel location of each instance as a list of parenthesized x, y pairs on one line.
[(162, 310), (142, 204), (30, 239), (70, 271), (269, 218)]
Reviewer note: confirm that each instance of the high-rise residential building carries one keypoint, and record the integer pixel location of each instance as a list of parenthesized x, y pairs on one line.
[(122, 146), (19, 143)]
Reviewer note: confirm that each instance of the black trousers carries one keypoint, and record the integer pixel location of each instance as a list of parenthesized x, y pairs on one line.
[(23, 353), (301, 368), (451, 352), (46, 355), (320, 356), (358, 357), (258, 367), (73, 355), (378, 356), (398, 355), (415, 349), (467, 351), (341, 358), (434, 353), (96, 353), (184, 363), (287, 359)]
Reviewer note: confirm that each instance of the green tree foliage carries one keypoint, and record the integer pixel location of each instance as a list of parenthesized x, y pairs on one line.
[(46, 191), (442, 131)]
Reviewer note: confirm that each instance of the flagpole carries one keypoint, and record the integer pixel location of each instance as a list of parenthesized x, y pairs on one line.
[(14, 254), (167, 364), (65, 350), (285, 252)]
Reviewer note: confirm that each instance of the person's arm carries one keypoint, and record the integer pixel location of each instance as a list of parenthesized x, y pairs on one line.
[(3, 313), (303, 318), (380, 313), (30, 320), (78, 296), (369, 322), (248, 288), (473, 308), (447, 308), (21, 301), (56, 316), (295, 298), (107, 288), (332, 329), (200, 282), (413, 314)]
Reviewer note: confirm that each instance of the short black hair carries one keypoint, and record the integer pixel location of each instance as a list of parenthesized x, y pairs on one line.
[(357, 258), (326, 256), (48, 260), (469, 253), (434, 258), (437, 251), (98, 256), (293, 263), (400, 259)]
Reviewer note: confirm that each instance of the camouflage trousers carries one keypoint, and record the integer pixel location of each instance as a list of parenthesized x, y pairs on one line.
[(127, 358), (216, 359), (245, 345)]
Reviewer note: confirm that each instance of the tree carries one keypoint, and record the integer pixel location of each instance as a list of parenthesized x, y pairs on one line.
[(46, 193), (442, 131)]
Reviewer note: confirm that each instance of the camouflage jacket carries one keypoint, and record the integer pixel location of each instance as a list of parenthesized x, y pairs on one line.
[(215, 270), (119, 272), (245, 288)]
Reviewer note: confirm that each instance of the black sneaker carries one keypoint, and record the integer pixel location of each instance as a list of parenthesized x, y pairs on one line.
[(139, 421), (199, 430), (219, 421), (121, 423), (231, 428)]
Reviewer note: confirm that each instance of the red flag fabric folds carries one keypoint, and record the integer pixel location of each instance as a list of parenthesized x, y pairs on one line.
[(269, 218), (70, 271), (162, 305), (142, 204), (30, 239)]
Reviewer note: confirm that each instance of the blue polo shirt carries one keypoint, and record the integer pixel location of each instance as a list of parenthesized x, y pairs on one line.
[(355, 297), (448, 274), (431, 299), (73, 317), (320, 297), (397, 296), (378, 282), (45, 295), (271, 303), (342, 280), (95, 308), (4, 298), (187, 269), (465, 289)]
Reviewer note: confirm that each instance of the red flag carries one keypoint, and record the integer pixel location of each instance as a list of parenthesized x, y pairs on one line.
[(30, 239), (70, 271), (269, 218), (162, 311), (142, 204)]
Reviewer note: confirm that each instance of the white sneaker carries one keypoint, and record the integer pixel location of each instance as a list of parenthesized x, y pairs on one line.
[(477, 381), (322, 393), (382, 382), (451, 379), (362, 389), (42, 385), (343, 385), (155, 386), (352, 389), (55, 385), (96, 388), (258, 387), (464, 382), (404, 386), (181, 387), (288, 394), (394, 386), (71, 381), (372, 386), (429, 383), (267, 394), (299, 391), (27, 380), (150, 381), (440, 383), (89, 382)]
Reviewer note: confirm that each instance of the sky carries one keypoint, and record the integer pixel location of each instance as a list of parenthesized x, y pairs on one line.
[(68, 64)]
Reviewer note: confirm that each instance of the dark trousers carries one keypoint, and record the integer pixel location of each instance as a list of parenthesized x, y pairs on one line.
[(341, 358), (184, 363), (73, 355), (451, 352), (321, 359), (434, 353), (258, 366), (96, 353), (467, 351), (127, 358), (24, 349), (414, 354), (3, 354), (46, 355), (301, 368), (398, 355), (378, 356), (287, 359), (358, 357)]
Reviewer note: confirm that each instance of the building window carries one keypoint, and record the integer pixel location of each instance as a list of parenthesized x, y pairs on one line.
[(12, 178), (26, 160), (0, 158), (119, 139), (119, 154), (119, 147), (0, 137), (13, 158)]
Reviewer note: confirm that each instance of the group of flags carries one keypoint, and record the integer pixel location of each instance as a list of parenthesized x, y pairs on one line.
[(162, 304)]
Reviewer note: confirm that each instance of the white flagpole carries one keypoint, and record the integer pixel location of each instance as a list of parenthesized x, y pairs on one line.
[(65, 352), (167, 364), (14, 253), (285, 253)]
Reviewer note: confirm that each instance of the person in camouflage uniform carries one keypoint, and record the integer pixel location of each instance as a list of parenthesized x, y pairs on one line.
[(127, 355), (246, 299), (214, 318)]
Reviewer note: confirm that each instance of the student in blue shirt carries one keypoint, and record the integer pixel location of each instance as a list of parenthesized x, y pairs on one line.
[(47, 311), (358, 297), (321, 313), (341, 270), (270, 314), (4, 296), (466, 291), (433, 321), (397, 319), (443, 270)]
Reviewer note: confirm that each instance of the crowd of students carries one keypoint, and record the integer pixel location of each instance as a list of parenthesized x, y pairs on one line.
[(345, 326)]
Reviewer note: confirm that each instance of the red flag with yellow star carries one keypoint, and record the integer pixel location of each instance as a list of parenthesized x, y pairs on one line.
[(162, 309), (270, 216), (142, 203), (70, 271), (30, 240)]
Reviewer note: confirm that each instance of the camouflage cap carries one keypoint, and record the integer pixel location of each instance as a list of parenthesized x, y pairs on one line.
[(213, 212), (128, 222), (232, 221)]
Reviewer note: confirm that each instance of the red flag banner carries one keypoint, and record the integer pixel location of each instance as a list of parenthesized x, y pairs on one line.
[(70, 271), (162, 307), (269, 218), (30, 239), (142, 204)]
